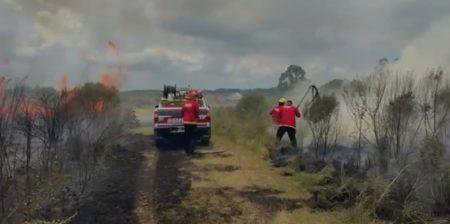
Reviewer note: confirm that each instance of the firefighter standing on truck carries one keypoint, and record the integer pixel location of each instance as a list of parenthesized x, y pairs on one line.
[(190, 113), (288, 113)]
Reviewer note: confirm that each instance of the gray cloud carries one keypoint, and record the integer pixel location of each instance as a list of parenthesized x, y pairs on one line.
[(217, 43)]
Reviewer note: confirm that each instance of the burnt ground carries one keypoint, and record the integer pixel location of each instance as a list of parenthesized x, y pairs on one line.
[(172, 183), (142, 184), (115, 195)]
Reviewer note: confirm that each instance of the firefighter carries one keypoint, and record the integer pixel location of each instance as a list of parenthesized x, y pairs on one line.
[(190, 113), (288, 113), (275, 112)]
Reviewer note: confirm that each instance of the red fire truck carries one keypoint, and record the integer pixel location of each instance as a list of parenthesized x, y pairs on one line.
[(167, 121)]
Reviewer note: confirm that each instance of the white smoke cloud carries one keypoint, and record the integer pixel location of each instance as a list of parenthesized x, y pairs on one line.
[(242, 44), (430, 50)]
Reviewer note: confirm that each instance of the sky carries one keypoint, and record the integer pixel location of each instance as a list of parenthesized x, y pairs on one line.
[(214, 44)]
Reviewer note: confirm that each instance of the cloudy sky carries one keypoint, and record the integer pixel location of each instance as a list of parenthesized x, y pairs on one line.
[(217, 43)]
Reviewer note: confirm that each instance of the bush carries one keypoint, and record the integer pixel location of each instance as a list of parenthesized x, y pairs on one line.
[(393, 200), (252, 105), (95, 97), (442, 195), (321, 109), (319, 116), (246, 123), (432, 152)]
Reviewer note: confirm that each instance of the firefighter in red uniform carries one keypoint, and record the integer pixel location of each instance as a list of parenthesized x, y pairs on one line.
[(275, 112), (190, 113), (288, 113)]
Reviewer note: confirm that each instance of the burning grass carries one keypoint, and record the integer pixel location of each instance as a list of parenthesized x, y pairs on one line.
[(52, 134)]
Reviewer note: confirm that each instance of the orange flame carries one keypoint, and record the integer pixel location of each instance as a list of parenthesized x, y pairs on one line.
[(63, 82), (29, 110), (108, 80), (118, 77), (111, 45), (99, 105)]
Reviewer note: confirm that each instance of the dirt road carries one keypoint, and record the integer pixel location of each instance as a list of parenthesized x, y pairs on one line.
[(220, 184)]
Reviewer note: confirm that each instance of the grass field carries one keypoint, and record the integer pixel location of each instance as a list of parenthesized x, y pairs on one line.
[(273, 192)]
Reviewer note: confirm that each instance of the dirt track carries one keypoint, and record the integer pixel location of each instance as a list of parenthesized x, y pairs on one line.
[(116, 194), (142, 184)]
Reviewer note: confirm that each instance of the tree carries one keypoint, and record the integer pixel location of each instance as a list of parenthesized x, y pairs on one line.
[(374, 103), (367, 100), (94, 98), (319, 117), (354, 98), (434, 102), (11, 96), (26, 124), (399, 113), (95, 118), (52, 119), (293, 75)]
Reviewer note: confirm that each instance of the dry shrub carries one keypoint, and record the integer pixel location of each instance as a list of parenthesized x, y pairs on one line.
[(252, 105), (394, 201), (319, 116), (331, 190), (398, 120), (441, 195), (432, 152)]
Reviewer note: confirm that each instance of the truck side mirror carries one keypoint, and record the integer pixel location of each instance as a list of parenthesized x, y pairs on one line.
[(156, 106)]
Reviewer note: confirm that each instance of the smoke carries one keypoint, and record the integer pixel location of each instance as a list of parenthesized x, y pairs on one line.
[(43, 39), (431, 50)]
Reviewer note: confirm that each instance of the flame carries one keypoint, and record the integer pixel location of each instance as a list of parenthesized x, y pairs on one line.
[(63, 82), (24, 109), (29, 109), (99, 105), (112, 45), (114, 79), (109, 80)]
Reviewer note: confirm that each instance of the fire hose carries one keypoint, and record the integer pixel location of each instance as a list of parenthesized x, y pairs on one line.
[(314, 94)]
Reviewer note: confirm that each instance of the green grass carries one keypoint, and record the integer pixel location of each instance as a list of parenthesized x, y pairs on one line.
[(253, 171), (249, 131), (307, 180)]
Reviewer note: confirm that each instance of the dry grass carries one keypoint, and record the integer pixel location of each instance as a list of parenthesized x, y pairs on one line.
[(249, 131), (145, 114), (146, 130), (249, 171)]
